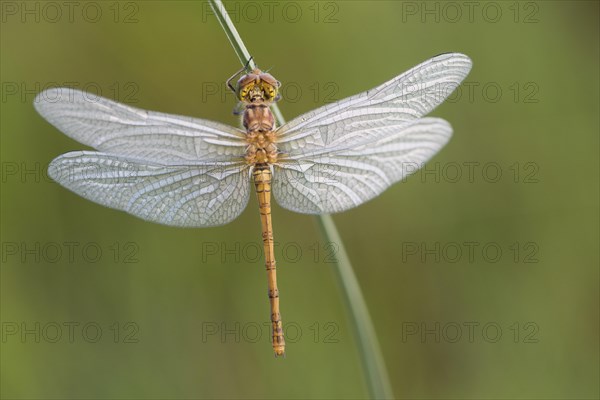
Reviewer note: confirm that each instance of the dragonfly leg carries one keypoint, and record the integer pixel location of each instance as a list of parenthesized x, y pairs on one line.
[(244, 68)]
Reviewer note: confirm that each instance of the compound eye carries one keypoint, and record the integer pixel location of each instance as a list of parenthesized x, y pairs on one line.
[(245, 90), (269, 90)]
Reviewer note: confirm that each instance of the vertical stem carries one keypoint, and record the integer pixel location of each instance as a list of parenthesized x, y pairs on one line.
[(377, 378), (374, 367), (232, 33)]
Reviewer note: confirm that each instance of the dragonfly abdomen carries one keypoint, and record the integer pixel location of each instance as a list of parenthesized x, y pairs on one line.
[(262, 182)]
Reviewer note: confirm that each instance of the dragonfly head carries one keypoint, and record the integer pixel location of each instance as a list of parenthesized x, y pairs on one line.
[(257, 85)]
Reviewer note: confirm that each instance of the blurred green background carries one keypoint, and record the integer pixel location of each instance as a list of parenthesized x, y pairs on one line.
[(98, 304)]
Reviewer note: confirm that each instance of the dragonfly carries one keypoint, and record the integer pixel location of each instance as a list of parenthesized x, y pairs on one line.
[(189, 172)]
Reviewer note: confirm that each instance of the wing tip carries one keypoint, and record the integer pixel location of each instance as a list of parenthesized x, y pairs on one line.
[(58, 95), (56, 166), (46, 98), (454, 55), (461, 59)]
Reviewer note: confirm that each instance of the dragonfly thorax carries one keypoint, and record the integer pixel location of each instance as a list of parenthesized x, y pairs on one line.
[(260, 135)]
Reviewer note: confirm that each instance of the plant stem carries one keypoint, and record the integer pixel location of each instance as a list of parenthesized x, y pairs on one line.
[(231, 33), (377, 377), (373, 364)]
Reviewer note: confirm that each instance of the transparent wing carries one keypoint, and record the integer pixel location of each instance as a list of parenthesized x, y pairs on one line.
[(192, 195), (367, 116), (116, 128), (337, 181), (346, 153), (340, 180)]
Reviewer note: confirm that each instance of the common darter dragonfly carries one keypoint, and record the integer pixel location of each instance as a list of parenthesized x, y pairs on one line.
[(190, 172)]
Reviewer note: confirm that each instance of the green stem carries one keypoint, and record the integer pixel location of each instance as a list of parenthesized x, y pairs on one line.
[(377, 377), (232, 33), (372, 359)]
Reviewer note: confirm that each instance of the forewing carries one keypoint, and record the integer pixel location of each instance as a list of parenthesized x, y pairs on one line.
[(367, 116), (345, 178), (186, 195), (120, 129)]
